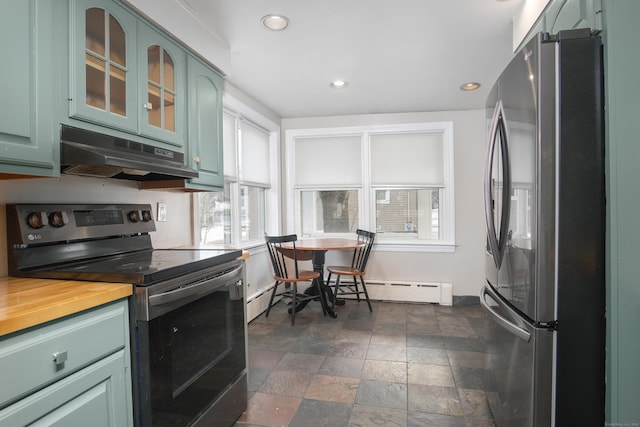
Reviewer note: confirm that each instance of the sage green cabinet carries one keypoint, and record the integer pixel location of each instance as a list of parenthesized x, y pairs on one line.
[(103, 65), (162, 86), (572, 14), (562, 15), (125, 76), (74, 371), (28, 138), (205, 126)]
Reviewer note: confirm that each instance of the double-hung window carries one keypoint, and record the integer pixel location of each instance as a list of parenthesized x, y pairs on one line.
[(395, 180), (236, 217)]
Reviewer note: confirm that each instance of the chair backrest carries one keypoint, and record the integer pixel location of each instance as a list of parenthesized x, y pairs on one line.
[(361, 253), (279, 254)]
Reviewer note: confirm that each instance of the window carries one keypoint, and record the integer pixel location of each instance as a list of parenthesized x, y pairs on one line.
[(409, 213), (252, 213), (215, 217), (329, 211), (237, 216), (395, 180)]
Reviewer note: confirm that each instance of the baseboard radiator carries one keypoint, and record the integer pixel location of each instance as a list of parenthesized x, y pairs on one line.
[(421, 292), (425, 292), (258, 303)]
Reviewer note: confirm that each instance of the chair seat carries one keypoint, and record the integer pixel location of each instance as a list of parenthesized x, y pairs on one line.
[(344, 270), (303, 276)]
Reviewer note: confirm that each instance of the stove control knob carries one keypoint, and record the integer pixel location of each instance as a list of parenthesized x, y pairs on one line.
[(37, 219), (58, 219), (134, 216), (146, 215)]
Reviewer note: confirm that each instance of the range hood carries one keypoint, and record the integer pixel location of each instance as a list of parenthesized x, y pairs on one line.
[(88, 153)]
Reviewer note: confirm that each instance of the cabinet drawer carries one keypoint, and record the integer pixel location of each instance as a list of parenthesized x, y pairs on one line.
[(33, 359)]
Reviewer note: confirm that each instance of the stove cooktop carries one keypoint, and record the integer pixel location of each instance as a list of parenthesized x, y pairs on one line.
[(141, 267)]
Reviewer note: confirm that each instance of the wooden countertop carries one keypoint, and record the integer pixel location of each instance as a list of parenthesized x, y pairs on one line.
[(28, 302)]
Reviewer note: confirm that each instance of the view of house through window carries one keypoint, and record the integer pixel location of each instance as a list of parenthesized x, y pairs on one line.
[(410, 212)]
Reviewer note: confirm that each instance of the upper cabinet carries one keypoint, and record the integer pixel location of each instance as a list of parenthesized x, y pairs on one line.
[(103, 69), (571, 14), (28, 139), (559, 15), (100, 66), (162, 81), (125, 75), (205, 125)]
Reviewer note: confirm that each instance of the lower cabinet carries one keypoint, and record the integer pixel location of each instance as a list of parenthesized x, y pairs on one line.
[(93, 396), (70, 372)]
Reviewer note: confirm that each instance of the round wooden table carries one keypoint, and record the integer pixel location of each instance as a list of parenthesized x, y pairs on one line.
[(319, 246)]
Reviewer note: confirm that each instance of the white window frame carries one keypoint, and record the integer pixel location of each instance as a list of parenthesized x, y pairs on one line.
[(272, 196), (366, 194)]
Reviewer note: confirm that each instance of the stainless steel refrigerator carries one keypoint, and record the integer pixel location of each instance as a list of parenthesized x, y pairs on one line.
[(544, 206)]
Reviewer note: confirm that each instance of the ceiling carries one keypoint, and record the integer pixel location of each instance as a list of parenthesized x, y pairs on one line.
[(396, 55)]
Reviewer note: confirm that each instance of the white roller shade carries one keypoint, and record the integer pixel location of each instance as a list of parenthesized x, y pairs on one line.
[(407, 158), (335, 160), (229, 144), (254, 152)]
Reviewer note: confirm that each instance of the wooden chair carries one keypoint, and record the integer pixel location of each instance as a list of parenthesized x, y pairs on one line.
[(355, 270), (287, 273)]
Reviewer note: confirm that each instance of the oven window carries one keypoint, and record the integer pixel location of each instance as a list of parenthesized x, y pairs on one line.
[(194, 353)]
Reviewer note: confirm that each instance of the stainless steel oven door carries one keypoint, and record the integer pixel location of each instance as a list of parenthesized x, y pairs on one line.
[(190, 349)]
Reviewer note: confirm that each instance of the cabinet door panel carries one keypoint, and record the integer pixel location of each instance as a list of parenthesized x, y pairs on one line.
[(27, 130), (571, 14), (205, 124), (94, 396), (103, 65), (162, 83)]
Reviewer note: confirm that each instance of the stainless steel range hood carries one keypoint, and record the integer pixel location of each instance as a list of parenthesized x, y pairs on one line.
[(88, 153)]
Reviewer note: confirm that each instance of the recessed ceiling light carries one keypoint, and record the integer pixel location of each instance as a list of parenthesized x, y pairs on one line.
[(275, 22), (470, 86), (338, 84)]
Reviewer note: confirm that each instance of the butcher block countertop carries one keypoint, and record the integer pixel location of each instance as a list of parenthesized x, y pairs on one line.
[(29, 302)]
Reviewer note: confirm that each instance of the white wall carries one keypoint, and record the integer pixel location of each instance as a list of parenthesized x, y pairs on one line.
[(176, 231), (464, 268)]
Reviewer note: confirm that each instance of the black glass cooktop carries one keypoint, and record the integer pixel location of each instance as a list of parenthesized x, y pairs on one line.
[(141, 267)]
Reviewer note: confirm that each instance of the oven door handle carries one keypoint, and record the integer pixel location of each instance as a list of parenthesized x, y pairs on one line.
[(204, 287)]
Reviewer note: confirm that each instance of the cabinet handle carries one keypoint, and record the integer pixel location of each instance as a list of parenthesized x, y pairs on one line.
[(148, 106), (59, 357)]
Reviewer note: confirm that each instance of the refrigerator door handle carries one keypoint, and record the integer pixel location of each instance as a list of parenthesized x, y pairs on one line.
[(497, 237), (506, 324)]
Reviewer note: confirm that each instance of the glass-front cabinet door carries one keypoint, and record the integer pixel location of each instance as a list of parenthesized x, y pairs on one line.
[(103, 71), (161, 87)]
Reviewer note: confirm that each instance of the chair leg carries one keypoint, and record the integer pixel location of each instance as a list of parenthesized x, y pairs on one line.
[(335, 292), (294, 293), (355, 286), (366, 294), (273, 294)]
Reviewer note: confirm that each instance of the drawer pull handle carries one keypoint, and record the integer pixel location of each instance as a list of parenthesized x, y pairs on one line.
[(59, 358)]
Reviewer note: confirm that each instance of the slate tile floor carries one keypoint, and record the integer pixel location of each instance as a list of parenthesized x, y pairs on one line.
[(402, 365)]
